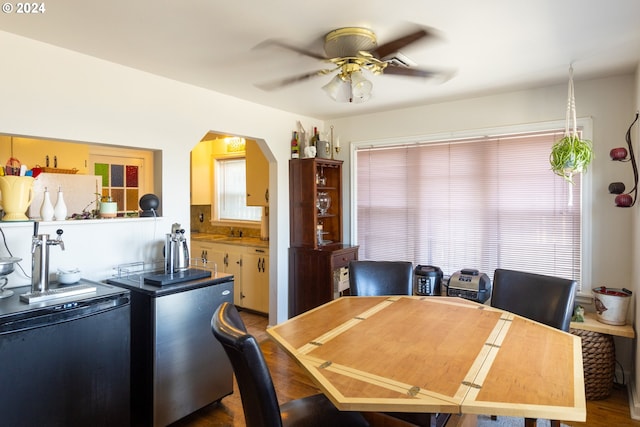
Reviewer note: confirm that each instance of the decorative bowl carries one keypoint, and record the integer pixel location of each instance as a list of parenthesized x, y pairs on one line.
[(68, 276)]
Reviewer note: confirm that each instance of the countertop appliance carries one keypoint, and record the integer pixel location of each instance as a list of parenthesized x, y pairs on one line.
[(470, 284), (426, 280), (177, 367), (66, 362)]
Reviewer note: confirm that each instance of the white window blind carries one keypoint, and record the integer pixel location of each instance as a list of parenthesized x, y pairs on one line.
[(231, 192), (481, 203)]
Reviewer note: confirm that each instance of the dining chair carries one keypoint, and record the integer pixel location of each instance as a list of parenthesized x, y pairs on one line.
[(257, 392), (545, 299), (376, 278)]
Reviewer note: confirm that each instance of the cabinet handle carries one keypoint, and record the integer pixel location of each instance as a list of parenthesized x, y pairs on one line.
[(258, 266), (263, 270), (226, 260), (266, 195)]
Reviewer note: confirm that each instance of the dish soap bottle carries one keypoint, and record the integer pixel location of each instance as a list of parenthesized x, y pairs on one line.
[(46, 210), (60, 211)]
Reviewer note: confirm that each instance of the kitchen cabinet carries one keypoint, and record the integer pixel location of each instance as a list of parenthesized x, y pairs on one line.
[(257, 175), (317, 255), (207, 255), (248, 264), (255, 280), (201, 174)]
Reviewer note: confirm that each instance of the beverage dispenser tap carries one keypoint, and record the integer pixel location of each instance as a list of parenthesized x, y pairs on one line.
[(40, 258), (176, 251)]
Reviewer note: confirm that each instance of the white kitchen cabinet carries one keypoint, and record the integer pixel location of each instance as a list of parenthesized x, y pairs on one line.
[(257, 175), (233, 265), (255, 279), (207, 255), (248, 264)]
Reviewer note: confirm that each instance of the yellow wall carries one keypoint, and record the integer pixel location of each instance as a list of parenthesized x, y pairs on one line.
[(33, 152)]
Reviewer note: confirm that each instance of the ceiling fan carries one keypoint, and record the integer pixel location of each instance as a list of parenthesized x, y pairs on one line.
[(352, 50)]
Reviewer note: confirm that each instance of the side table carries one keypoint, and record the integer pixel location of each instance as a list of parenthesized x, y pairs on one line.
[(598, 353)]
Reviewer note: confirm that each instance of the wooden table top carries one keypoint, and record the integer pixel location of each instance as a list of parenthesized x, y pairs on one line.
[(436, 354)]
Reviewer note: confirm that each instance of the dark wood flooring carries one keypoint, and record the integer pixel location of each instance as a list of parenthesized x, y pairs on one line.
[(291, 382)]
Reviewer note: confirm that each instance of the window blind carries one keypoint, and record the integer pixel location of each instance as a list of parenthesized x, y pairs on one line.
[(482, 203)]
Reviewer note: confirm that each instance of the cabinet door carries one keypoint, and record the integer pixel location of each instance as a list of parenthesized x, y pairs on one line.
[(201, 174), (206, 255), (232, 262), (255, 280), (257, 176)]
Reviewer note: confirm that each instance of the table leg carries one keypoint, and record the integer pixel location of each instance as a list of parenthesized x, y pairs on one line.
[(530, 422)]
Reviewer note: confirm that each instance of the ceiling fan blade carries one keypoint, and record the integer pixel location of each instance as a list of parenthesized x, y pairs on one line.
[(405, 71), (290, 47), (290, 80), (397, 44)]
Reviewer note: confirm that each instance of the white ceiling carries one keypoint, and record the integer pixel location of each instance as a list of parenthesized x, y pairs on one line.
[(493, 45)]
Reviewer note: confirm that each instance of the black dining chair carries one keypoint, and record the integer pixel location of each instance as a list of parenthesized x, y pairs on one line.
[(545, 299), (376, 278), (258, 395)]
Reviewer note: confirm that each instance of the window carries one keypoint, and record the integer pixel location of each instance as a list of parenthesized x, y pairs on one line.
[(484, 203), (231, 192)]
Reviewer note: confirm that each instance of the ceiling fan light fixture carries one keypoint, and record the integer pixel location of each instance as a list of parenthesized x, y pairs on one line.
[(360, 86), (349, 87), (338, 89)]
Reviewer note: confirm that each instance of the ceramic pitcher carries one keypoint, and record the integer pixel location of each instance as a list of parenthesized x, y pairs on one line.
[(17, 195)]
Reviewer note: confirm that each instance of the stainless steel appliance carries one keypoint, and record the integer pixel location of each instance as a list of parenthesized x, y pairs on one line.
[(66, 362), (470, 284), (177, 367), (427, 280), (176, 250)]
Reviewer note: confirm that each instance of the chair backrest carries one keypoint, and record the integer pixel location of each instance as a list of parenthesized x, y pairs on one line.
[(373, 278), (259, 399), (545, 299)]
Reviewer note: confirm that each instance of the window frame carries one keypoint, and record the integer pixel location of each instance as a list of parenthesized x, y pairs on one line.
[(215, 212), (586, 196)]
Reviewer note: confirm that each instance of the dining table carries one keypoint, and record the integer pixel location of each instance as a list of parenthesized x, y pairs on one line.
[(436, 354)]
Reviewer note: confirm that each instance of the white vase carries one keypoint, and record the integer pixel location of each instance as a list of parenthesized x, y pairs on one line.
[(60, 211), (46, 210)]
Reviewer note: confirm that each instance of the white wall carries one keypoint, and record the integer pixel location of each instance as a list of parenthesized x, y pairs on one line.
[(635, 261), (55, 93)]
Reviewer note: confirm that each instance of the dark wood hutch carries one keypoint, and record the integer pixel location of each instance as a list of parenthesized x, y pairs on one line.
[(316, 253)]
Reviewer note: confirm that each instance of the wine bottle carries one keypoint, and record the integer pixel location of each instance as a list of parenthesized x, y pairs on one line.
[(295, 146), (314, 139)]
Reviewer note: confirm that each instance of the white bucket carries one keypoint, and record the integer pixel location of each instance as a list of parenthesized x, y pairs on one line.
[(611, 305)]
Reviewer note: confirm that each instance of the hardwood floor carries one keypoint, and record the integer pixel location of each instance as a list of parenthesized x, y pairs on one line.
[(291, 382)]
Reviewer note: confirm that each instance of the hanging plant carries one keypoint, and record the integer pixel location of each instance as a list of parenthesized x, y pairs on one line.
[(571, 155)]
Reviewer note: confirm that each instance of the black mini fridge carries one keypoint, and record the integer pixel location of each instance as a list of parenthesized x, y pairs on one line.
[(66, 362)]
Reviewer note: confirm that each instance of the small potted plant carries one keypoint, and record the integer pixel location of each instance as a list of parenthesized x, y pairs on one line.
[(571, 155)]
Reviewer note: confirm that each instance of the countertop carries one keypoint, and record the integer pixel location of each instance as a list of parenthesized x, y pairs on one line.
[(220, 238), (135, 282), (13, 305)]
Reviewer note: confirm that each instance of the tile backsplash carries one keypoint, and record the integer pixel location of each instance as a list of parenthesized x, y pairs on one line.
[(204, 211)]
